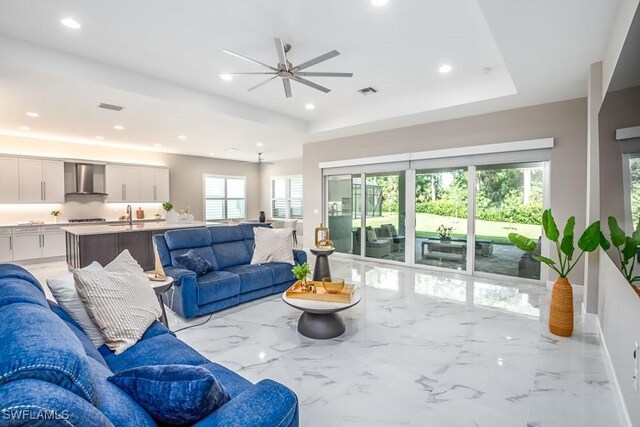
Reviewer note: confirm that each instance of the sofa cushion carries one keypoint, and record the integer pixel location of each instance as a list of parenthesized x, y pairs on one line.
[(226, 233), (272, 245), (193, 262), (187, 238), (120, 300), (40, 397), (252, 277), (63, 288), (231, 254), (88, 346), (114, 403), (216, 286), (173, 394), (18, 286), (281, 272), (37, 344), (164, 349)]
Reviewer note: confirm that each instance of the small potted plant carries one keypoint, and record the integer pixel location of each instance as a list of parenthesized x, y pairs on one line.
[(627, 248), (55, 214), (561, 308), (302, 272), (444, 232)]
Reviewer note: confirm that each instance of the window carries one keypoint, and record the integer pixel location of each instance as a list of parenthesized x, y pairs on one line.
[(224, 197), (286, 197)]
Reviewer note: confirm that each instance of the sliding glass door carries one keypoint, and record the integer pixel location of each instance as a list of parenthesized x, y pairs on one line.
[(441, 218), (385, 201), (508, 200), (460, 217)]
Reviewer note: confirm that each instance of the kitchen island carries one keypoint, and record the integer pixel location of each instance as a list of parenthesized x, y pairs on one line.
[(102, 243)]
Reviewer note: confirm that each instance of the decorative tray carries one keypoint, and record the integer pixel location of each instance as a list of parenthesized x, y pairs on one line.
[(344, 296)]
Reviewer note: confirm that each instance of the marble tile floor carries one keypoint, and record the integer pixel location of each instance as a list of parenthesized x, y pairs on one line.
[(422, 348)]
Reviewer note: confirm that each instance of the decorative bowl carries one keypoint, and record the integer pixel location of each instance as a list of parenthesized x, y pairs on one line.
[(333, 287)]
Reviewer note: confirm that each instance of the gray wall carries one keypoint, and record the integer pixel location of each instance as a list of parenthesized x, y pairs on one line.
[(619, 315), (185, 171), (565, 121)]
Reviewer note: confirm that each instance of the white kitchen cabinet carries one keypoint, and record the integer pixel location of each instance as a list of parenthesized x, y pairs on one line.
[(27, 243), (41, 181), (147, 185), (161, 182), (154, 184), (53, 242), (10, 179), (122, 183), (6, 245), (53, 177)]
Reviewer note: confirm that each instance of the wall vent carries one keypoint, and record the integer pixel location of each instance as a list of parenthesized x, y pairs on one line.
[(110, 107), (367, 91)]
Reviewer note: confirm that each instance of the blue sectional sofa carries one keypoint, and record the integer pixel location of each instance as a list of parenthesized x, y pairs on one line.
[(233, 279), (51, 374)]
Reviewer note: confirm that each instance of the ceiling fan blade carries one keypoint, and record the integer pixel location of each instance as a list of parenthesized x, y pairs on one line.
[(311, 84), (237, 55), (246, 74), (287, 87), (282, 55), (260, 84), (321, 74), (317, 60)]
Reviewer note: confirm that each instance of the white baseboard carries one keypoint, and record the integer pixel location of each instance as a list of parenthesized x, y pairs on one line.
[(623, 413)]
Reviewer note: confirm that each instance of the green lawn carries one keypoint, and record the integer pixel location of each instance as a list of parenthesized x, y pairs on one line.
[(426, 225)]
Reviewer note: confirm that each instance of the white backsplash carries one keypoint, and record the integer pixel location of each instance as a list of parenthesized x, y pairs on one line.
[(75, 207)]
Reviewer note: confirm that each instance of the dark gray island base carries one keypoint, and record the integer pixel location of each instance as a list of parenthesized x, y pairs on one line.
[(103, 243)]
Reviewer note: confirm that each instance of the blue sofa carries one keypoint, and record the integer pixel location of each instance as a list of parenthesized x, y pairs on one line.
[(233, 279), (51, 374)]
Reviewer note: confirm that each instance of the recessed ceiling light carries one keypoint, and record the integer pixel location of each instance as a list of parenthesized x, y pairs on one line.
[(70, 23), (25, 128), (100, 137), (212, 154), (379, 3), (259, 144), (182, 137), (157, 145), (118, 127), (226, 77), (32, 114), (233, 150), (445, 68), (310, 107)]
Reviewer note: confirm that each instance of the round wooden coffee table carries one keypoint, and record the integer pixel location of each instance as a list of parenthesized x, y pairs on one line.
[(320, 320)]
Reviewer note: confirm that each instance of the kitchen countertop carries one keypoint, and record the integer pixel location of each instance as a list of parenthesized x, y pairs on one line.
[(73, 224), (86, 230)]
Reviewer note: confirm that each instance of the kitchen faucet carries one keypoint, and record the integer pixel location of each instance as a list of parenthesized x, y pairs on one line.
[(130, 215)]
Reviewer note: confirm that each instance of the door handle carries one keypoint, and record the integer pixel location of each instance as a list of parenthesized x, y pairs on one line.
[(44, 190), (155, 193), (10, 243), (122, 191), (41, 190)]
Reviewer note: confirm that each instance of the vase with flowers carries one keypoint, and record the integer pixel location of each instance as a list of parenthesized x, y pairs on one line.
[(55, 214)]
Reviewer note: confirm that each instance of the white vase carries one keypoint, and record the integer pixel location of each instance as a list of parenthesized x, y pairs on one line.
[(172, 217)]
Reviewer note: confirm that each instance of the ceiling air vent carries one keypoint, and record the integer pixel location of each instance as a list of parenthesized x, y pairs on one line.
[(110, 107), (367, 91)]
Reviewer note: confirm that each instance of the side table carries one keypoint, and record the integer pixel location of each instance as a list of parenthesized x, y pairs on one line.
[(160, 287), (321, 268)]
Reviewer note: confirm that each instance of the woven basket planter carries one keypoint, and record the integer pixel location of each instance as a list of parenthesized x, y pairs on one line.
[(561, 309)]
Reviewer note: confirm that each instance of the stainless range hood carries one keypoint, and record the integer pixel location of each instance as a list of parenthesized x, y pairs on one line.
[(84, 179)]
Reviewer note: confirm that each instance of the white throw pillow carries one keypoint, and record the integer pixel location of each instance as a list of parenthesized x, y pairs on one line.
[(120, 301), (272, 245), (64, 291)]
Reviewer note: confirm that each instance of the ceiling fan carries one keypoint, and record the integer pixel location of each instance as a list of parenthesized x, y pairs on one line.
[(287, 71), (261, 160)]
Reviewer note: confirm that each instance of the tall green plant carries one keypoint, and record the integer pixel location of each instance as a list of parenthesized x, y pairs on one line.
[(626, 248), (589, 241)]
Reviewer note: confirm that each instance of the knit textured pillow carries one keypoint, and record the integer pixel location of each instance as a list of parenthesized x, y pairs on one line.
[(119, 300)]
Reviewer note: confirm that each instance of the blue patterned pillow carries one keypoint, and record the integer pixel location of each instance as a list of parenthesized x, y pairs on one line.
[(194, 262), (173, 394)]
